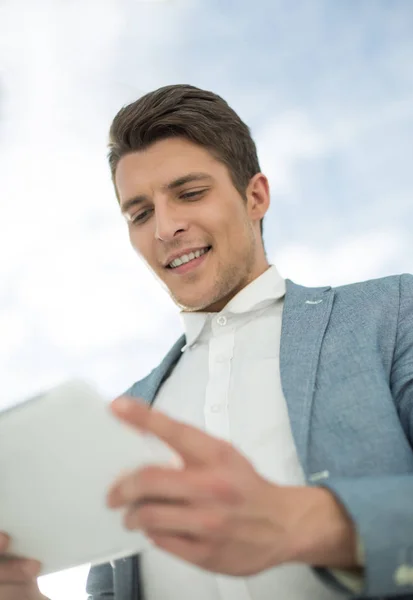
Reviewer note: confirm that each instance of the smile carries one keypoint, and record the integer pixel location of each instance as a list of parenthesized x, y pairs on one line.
[(188, 262)]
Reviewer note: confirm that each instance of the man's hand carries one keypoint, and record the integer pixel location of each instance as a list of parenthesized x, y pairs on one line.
[(17, 576), (217, 512)]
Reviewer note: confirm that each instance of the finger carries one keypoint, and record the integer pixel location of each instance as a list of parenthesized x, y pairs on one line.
[(187, 486), (195, 446), (18, 570), (192, 523), (193, 551), (151, 483)]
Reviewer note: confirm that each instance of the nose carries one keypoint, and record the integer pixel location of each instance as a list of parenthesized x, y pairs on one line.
[(168, 223)]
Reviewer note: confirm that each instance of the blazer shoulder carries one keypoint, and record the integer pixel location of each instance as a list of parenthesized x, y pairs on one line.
[(384, 301), (375, 290), (377, 298), (383, 289)]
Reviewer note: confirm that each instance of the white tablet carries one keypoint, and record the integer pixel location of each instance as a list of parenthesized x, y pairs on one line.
[(59, 454)]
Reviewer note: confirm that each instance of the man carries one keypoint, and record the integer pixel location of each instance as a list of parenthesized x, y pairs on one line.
[(301, 484), (291, 408)]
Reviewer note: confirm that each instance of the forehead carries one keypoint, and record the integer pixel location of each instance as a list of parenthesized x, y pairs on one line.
[(160, 163)]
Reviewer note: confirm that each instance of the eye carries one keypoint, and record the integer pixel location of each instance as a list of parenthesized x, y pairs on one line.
[(139, 218), (194, 194)]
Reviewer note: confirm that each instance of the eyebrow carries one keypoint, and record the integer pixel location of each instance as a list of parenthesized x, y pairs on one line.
[(172, 185)]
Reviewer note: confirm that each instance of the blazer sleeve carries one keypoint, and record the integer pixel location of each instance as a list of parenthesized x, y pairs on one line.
[(382, 507), (99, 585)]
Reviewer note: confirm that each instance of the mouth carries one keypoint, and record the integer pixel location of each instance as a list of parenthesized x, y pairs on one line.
[(189, 265)]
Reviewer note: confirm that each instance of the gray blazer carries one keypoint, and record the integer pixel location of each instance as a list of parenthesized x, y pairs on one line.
[(346, 363)]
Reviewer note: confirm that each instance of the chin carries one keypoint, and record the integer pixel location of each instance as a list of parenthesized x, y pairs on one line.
[(191, 304)]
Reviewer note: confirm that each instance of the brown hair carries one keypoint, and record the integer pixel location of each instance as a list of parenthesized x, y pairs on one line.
[(185, 111)]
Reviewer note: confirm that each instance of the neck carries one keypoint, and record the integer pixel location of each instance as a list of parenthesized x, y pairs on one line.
[(221, 304)]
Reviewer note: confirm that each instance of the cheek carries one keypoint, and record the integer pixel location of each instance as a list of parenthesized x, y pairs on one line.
[(138, 244), (138, 240)]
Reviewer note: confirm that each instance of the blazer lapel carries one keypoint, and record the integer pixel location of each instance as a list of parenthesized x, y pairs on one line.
[(305, 318), (148, 387)]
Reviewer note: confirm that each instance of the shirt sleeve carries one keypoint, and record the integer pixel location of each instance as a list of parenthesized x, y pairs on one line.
[(353, 579)]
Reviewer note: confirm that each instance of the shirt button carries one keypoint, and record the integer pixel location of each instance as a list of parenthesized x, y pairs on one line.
[(222, 320), (215, 408)]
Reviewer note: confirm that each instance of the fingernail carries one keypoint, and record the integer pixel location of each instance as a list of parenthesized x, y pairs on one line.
[(31, 568), (4, 540)]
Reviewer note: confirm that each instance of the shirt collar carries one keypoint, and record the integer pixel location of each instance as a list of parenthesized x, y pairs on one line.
[(263, 291)]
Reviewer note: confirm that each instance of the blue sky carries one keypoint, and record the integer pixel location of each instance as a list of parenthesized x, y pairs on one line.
[(327, 89)]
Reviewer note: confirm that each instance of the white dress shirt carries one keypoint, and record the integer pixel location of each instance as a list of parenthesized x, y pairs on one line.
[(228, 383)]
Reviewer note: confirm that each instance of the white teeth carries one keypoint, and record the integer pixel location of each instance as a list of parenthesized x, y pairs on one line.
[(187, 257)]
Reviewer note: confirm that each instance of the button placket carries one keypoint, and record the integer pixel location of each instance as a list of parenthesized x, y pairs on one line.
[(221, 358), (216, 398), (222, 321)]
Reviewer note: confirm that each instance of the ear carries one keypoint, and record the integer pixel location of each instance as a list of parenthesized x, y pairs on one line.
[(258, 197)]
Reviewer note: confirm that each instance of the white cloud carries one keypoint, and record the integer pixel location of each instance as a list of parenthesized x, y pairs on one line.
[(293, 136), (351, 259), (284, 141)]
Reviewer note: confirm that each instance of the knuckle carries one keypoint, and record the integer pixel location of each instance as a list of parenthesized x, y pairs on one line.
[(147, 515), (130, 519), (224, 452), (224, 488), (146, 476), (214, 523)]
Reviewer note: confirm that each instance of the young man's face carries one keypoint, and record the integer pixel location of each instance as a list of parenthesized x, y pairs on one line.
[(185, 201)]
